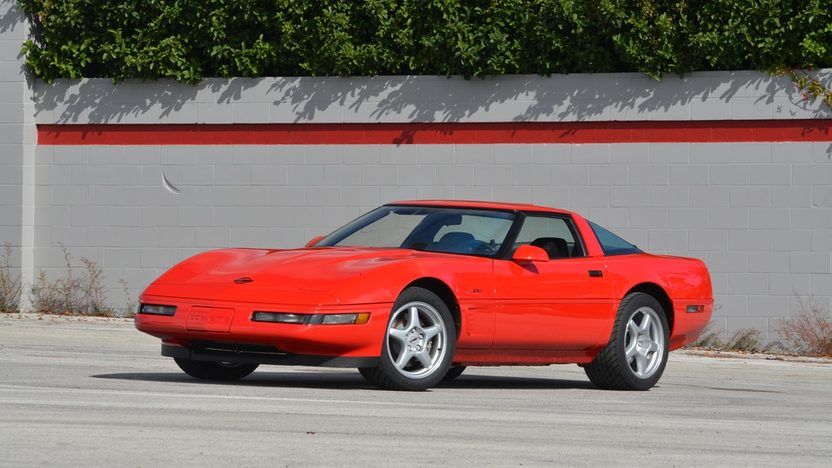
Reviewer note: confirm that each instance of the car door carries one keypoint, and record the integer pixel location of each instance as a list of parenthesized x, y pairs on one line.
[(563, 304)]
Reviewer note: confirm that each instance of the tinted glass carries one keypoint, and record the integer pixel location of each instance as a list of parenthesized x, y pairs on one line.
[(611, 244), (449, 230), (553, 235)]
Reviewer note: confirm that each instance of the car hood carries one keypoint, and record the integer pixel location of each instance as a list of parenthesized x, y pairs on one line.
[(297, 276)]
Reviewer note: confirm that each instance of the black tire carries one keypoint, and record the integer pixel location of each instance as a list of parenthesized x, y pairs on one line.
[(369, 375), (387, 376), (612, 369), (205, 370), (453, 373)]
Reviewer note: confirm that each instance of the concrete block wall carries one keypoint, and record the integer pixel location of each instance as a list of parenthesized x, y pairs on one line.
[(17, 144), (759, 214), (389, 99)]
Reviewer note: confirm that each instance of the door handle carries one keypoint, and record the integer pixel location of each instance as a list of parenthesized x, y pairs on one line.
[(596, 273)]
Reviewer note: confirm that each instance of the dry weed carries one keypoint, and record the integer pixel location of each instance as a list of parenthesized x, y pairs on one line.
[(709, 338), (72, 294), (809, 331), (10, 285), (746, 340)]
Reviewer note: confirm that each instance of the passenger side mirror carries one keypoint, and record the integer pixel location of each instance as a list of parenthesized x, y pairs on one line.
[(314, 241), (529, 253)]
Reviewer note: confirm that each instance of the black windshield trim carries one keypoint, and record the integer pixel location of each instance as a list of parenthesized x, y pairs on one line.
[(454, 207)]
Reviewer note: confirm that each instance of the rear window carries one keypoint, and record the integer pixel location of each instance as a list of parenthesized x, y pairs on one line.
[(612, 244)]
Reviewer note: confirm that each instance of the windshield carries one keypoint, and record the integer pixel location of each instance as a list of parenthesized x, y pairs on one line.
[(448, 230)]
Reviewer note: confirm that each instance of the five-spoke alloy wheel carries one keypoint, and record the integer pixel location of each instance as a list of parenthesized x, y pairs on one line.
[(636, 355), (416, 339), (419, 343), (644, 342)]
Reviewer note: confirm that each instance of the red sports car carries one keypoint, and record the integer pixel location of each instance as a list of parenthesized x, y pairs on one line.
[(413, 292)]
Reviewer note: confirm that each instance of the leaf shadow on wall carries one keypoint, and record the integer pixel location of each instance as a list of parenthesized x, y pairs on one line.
[(427, 99)]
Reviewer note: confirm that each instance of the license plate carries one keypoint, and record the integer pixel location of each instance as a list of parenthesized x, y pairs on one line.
[(211, 319)]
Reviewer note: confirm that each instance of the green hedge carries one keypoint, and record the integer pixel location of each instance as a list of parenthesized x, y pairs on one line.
[(191, 39)]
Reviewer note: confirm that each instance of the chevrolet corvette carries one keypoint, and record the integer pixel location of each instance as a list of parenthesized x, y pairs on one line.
[(414, 292)]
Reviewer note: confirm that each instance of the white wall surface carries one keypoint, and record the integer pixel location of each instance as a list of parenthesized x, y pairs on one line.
[(760, 214), (17, 145), (563, 98)]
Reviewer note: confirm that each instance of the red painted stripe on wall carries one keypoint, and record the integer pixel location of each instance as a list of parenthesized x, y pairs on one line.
[(438, 133)]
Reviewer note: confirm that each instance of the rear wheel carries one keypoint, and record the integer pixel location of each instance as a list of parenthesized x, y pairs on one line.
[(205, 370), (636, 355), (418, 345)]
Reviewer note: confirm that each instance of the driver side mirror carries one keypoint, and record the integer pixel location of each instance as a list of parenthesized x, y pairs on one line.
[(529, 253), (314, 241)]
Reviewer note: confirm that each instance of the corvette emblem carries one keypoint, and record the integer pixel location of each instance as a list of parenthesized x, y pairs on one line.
[(243, 280)]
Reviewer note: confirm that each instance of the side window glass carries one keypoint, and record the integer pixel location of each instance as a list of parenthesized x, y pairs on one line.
[(611, 244), (554, 235), (483, 228)]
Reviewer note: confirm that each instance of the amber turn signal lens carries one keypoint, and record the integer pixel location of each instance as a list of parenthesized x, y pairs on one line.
[(345, 319)]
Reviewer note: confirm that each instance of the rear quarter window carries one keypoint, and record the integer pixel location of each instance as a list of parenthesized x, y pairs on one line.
[(611, 243)]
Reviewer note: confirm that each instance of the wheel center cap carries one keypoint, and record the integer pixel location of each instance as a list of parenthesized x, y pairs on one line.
[(415, 337)]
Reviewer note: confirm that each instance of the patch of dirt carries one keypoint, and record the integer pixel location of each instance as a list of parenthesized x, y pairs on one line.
[(761, 356), (31, 316)]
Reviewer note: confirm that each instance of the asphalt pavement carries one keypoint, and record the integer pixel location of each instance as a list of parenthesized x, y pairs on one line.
[(97, 393)]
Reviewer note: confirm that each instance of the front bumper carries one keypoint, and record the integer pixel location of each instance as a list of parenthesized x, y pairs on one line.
[(243, 353), (288, 339)]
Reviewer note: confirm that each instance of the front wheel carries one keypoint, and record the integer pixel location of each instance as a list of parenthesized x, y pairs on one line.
[(205, 370), (418, 345), (636, 355)]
